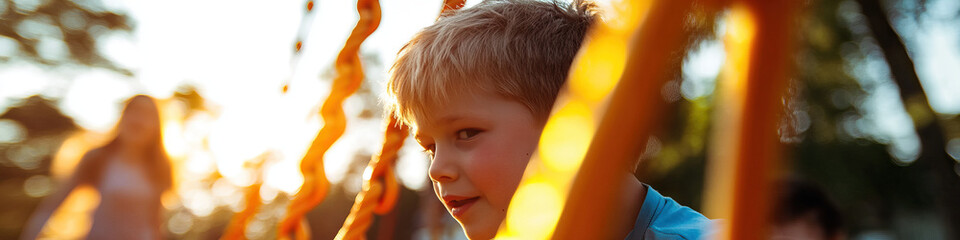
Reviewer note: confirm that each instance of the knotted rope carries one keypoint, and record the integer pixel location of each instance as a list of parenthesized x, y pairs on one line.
[(349, 77), (380, 189)]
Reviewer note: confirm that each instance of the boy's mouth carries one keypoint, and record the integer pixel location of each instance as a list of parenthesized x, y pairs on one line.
[(459, 205)]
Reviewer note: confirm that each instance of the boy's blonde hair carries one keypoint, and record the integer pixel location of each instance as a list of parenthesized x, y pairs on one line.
[(518, 49)]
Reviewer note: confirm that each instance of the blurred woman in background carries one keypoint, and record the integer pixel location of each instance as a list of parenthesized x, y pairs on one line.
[(130, 173)]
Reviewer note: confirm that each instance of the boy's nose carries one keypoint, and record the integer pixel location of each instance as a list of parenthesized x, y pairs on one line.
[(442, 168)]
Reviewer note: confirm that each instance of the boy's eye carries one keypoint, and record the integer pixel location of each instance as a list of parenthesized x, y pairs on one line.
[(468, 133)]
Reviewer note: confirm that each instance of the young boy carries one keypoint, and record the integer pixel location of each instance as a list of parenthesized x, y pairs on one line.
[(477, 88)]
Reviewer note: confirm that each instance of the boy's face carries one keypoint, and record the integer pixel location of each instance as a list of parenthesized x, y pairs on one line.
[(480, 146)]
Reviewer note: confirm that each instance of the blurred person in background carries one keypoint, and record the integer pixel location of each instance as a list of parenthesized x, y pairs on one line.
[(805, 212), (130, 173)]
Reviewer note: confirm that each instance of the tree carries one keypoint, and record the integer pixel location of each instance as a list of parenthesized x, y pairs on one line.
[(933, 155), (37, 26), (826, 130)]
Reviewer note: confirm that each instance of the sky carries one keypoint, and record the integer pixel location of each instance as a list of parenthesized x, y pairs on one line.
[(238, 54)]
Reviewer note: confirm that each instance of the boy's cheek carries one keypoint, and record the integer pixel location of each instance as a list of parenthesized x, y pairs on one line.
[(497, 174)]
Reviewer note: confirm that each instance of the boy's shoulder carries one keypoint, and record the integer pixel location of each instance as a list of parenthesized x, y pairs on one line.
[(663, 218)]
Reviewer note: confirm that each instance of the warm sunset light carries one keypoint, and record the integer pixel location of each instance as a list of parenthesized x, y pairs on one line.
[(694, 119)]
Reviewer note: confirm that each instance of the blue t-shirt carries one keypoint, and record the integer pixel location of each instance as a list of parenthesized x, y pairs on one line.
[(663, 218)]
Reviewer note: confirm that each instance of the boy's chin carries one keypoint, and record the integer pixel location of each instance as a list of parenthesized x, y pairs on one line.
[(480, 234), (480, 230)]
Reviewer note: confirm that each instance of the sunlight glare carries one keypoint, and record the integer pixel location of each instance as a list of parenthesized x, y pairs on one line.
[(72, 220), (536, 207), (566, 137), (539, 201)]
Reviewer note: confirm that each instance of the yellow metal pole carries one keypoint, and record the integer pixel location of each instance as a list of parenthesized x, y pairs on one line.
[(633, 113), (536, 206), (746, 158)]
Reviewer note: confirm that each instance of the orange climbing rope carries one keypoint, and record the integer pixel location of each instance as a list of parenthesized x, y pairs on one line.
[(380, 188), (450, 5), (238, 223), (348, 80)]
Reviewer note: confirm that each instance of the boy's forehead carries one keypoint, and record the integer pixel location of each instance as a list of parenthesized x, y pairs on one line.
[(423, 125), (448, 108)]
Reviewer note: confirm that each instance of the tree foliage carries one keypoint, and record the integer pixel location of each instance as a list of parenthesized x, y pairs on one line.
[(42, 29)]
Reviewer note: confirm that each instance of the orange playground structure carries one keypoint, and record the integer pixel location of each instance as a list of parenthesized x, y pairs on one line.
[(608, 107)]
